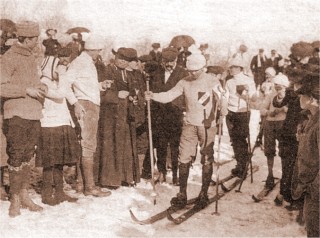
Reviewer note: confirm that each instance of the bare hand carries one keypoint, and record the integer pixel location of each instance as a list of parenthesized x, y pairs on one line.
[(79, 111), (148, 95), (35, 92), (123, 94)]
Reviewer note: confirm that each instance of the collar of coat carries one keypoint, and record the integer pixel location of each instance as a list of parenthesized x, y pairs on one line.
[(18, 48)]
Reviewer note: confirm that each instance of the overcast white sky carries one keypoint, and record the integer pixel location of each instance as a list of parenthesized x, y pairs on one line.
[(257, 23)]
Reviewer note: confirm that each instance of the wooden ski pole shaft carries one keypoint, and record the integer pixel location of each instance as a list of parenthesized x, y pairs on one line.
[(154, 194)]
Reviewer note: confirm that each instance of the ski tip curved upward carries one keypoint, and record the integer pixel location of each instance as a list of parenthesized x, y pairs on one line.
[(135, 219)]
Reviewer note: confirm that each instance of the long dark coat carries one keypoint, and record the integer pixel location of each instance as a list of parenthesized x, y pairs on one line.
[(117, 128)]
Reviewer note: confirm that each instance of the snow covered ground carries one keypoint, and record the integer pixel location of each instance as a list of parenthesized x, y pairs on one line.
[(109, 217)]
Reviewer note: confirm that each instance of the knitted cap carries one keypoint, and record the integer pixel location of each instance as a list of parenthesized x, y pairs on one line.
[(196, 62), (281, 79), (271, 71), (28, 29)]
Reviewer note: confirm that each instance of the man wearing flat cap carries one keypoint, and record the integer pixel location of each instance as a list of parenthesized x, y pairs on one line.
[(83, 76), (166, 118), (120, 102), (20, 85), (155, 53)]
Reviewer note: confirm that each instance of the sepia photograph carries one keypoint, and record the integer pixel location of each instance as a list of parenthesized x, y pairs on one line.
[(159, 118)]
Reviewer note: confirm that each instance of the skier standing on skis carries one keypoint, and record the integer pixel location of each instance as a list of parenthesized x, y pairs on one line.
[(201, 96), (240, 89)]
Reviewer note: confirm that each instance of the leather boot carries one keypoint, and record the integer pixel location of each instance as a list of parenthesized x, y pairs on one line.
[(60, 195), (25, 200), (202, 200), (79, 182), (90, 188), (47, 190), (15, 186), (180, 200)]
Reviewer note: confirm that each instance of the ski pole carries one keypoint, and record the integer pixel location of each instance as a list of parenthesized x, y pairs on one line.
[(219, 146), (153, 194)]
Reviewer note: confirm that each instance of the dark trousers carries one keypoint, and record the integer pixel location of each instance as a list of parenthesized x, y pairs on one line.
[(22, 136), (163, 134), (288, 156), (238, 127)]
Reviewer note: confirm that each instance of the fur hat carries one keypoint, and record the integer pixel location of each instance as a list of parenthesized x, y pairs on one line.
[(196, 62), (94, 43), (281, 79), (169, 54), (28, 29)]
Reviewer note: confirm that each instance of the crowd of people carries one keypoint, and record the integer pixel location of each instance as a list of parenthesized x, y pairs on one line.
[(81, 112)]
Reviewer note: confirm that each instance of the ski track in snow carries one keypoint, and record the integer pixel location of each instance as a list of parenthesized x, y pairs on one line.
[(109, 217)]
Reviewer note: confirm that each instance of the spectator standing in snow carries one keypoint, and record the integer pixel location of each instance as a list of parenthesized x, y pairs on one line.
[(273, 61), (58, 144), (155, 53), (82, 74), (20, 84), (308, 155), (166, 118), (52, 45)]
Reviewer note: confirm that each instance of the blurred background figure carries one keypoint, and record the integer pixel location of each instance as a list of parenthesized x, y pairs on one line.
[(155, 52), (273, 61), (258, 66), (52, 45), (243, 54)]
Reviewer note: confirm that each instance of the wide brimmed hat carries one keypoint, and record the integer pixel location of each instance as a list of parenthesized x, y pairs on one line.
[(302, 49), (127, 54), (310, 86)]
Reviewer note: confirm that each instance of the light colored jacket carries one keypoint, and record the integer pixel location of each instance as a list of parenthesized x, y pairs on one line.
[(82, 74), (236, 103), (195, 92)]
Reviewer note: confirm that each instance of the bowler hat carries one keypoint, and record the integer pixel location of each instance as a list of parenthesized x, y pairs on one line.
[(169, 54), (127, 54), (28, 29), (156, 45)]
